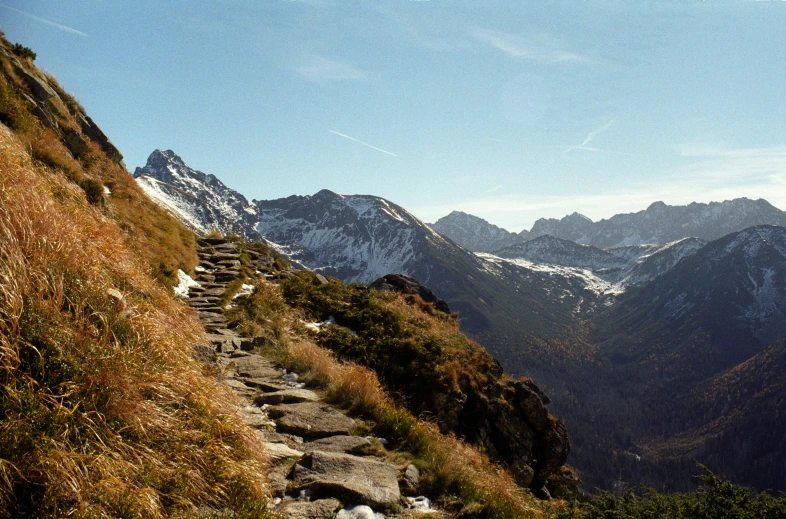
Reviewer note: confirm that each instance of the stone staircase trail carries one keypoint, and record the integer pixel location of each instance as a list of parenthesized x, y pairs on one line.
[(318, 466)]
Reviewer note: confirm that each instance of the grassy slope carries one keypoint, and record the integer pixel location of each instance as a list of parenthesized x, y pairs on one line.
[(103, 410)]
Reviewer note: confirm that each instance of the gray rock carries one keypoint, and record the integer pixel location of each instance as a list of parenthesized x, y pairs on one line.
[(319, 279), (411, 478), (75, 143), (93, 132), (254, 366), (345, 444), (280, 451), (311, 420), (265, 384), (40, 88), (287, 396), (319, 509), (357, 479)]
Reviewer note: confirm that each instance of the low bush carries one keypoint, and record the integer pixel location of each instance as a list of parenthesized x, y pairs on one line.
[(23, 52)]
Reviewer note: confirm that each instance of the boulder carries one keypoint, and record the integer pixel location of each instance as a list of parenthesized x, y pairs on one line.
[(362, 480), (411, 478), (311, 420)]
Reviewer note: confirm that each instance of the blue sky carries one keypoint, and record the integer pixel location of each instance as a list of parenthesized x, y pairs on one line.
[(507, 110)]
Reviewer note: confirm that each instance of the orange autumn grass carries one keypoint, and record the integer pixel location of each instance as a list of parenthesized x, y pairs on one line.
[(103, 410)]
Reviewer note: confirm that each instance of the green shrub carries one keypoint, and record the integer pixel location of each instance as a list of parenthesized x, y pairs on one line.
[(23, 52), (93, 189), (715, 499)]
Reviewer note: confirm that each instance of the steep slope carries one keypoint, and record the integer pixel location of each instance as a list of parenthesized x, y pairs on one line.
[(61, 136), (667, 349), (104, 411), (661, 223), (731, 292), (356, 238), (200, 201), (475, 234), (659, 260)]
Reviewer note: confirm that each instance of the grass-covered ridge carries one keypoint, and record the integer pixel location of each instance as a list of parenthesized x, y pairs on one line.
[(103, 410)]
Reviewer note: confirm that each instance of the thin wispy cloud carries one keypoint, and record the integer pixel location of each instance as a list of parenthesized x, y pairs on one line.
[(56, 25), (524, 49), (590, 136), (361, 142), (319, 68)]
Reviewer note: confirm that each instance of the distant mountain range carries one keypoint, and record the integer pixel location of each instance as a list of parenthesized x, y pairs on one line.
[(629, 322), (658, 224)]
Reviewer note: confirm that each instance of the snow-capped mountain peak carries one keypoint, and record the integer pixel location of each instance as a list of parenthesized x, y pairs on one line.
[(199, 200)]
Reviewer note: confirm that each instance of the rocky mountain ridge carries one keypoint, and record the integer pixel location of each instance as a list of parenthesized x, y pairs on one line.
[(198, 200), (658, 224), (475, 234)]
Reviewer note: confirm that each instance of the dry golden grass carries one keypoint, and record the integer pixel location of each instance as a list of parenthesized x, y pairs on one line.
[(150, 231), (103, 410), (464, 478)]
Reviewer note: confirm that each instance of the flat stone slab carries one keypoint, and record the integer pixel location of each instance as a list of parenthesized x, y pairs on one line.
[(263, 384), (280, 451), (311, 420), (287, 396), (354, 479), (319, 509), (254, 366), (344, 444), (215, 292)]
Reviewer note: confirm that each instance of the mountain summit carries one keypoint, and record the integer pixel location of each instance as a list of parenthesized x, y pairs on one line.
[(199, 200)]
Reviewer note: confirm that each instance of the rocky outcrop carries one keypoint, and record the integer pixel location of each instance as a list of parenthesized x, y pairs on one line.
[(409, 285)]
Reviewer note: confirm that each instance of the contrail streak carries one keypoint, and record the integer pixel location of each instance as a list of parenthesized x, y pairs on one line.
[(44, 20), (602, 129), (361, 142), (592, 135)]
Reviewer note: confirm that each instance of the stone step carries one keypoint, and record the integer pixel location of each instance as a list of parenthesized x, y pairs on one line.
[(215, 291), (211, 310), (229, 264), (325, 474), (218, 256), (204, 299), (311, 420), (355, 445), (287, 396), (211, 241)]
